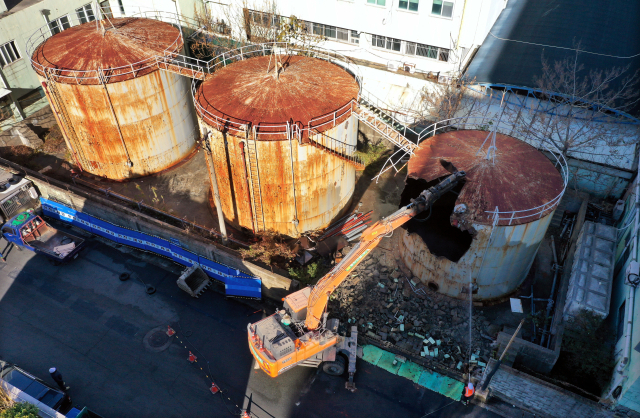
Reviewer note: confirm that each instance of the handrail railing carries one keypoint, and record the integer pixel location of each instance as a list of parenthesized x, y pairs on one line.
[(92, 75), (488, 124)]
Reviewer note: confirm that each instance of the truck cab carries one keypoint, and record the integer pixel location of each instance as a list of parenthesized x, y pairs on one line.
[(17, 194)]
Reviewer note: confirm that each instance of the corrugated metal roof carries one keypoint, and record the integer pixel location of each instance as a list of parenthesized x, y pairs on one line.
[(131, 43), (521, 178), (307, 88), (607, 33)]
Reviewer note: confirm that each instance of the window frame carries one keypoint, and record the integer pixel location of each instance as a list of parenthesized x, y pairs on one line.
[(6, 50), (408, 3), (261, 19), (385, 41), (84, 17), (442, 3), (376, 3), (427, 51), (56, 26)]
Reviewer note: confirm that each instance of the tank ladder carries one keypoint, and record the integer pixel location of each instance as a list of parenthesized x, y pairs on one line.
[(65, 120), (254, 180)]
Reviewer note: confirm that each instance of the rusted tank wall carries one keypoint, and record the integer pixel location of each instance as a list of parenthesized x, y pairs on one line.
[(324, 183), (506, 262), (155, 115)]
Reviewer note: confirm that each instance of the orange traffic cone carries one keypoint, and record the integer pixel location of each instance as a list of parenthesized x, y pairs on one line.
[(192, 357), (245, 414), (170, 331), (214, 389)]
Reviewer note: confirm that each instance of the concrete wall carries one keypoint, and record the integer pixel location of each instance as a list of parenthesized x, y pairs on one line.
[(530, 355), (274, 286)]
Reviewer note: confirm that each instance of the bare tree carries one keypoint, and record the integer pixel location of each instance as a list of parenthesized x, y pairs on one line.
[(582, 113), (448, 100), (227, 27)]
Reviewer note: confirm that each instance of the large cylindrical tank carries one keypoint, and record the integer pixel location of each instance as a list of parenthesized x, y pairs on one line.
[(462, 238), (121, 116), (282, 144)]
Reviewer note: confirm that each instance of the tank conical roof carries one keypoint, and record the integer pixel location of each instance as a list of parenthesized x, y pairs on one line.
[(522, 177), (125, 49), (247, 92)]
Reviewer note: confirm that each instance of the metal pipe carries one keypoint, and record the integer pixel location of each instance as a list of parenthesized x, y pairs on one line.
[(553, 289), (103, 81), (208, 154), (293, 181), (246, 176), (624, 361)]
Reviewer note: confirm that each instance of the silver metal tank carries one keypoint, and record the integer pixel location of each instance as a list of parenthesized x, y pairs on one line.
[(489, 230)]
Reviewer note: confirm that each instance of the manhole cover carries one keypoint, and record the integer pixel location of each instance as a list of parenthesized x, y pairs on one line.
[(157, 339)]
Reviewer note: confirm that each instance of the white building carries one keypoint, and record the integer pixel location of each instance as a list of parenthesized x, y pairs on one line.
[(428, 36)]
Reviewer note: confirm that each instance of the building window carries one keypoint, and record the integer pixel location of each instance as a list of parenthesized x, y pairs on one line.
[(409, 5), (8, 53), (355, 37), (264, 19), (377, 2), (106, 9), (85, 14), (442, 8), (59, 24), (121, 6), (343, 34), (427, 51), (386, 43)]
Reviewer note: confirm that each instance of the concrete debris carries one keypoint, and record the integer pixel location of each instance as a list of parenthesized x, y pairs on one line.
[(391, 306)]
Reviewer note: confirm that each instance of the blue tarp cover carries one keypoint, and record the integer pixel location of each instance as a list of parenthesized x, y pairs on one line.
[(237, 283)]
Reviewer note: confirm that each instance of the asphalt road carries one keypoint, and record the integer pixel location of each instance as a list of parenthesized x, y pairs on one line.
[(99, 332)]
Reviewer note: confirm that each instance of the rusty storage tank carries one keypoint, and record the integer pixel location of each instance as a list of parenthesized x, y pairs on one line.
[(282, 143), (121, 116), (461, 237)]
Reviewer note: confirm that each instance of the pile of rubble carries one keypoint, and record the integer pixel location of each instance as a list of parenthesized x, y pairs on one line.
[(388, 304)]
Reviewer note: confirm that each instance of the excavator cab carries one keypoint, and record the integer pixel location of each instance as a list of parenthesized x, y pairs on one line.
[(281, 341)]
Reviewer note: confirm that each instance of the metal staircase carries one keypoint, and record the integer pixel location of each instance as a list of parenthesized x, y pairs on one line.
[(333, 147), (386, 125), (254, 181), (182, 65)]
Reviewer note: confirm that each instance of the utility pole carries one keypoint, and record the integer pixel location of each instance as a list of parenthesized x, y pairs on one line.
[(497, 365)]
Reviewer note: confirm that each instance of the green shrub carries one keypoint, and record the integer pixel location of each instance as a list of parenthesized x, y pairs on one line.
[(587, 352), (20, 410), (306, 274)]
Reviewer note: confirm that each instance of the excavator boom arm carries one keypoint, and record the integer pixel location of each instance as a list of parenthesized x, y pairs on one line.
[(320, 293)]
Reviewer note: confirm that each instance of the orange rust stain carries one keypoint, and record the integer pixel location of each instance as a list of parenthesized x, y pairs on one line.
[(130, 43), (521, 178), (308, 88)]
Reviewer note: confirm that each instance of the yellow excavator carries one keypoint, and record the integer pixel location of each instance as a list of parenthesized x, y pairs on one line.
[(300, 334)]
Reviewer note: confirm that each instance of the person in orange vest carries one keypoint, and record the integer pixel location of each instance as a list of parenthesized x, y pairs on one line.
[(469, 390)]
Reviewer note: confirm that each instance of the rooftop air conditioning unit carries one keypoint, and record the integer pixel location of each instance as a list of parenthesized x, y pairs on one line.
[(392, 66)]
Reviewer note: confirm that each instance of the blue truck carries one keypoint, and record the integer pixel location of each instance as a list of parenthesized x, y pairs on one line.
[(28, 230)]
